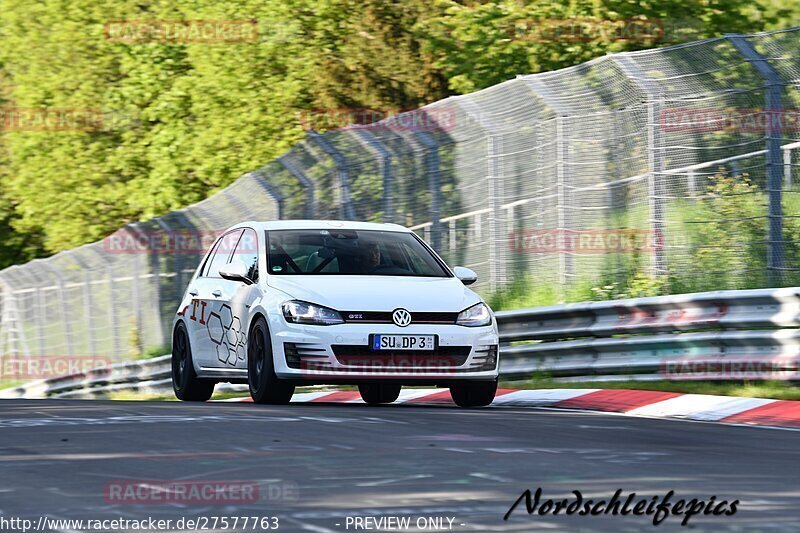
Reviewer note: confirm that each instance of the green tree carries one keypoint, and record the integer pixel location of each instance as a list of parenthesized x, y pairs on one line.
[(182, 120), (479, 44)]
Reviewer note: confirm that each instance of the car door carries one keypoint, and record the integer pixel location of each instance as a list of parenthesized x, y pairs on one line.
[(207, 317), (194, 314), (243, 296)]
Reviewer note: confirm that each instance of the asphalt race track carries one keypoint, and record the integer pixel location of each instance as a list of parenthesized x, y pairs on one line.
[(319, 464)]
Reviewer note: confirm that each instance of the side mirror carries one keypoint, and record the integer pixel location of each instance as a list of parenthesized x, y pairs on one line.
[(466, 275), (235, 271)]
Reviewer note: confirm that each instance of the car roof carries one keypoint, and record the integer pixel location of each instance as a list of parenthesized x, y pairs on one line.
[(320, 224)]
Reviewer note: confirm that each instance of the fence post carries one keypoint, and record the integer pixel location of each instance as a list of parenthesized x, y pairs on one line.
[(494, 176), (311, 208), (87, 312), (435, 187), (787, 167), (562, 113), (452, 240), (346, 209), (12, 337), (564, 259), (262, 178), (87, 302), (655, 157), (164, 312), (40, 318), (497, 226), (774, 109), (242, 208), (112, 310), (374, 145), (4, 294), (136, 298), (65, 321)]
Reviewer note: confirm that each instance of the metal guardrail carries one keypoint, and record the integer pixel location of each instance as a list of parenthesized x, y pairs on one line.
[(737, 334), (148, 376), (119, 376), (747, 334)]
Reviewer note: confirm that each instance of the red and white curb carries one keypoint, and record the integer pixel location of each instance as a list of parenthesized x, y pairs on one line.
[(655, 404)]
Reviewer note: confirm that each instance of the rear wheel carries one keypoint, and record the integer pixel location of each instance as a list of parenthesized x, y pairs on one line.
[(187, 386), (473, 393), (379, 393), (265, 387)]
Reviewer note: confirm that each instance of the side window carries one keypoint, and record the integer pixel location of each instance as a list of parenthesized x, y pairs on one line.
[(222, 253), (247, 252), (209, 258)]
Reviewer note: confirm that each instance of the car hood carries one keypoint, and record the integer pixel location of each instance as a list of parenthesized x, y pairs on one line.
[(378, 293)]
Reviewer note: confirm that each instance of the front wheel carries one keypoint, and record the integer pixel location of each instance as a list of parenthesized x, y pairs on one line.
[(379, 393), (265, 387), (187, 386), (473, 393)]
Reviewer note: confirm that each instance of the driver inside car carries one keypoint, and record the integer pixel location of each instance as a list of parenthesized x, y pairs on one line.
[(371, 257)]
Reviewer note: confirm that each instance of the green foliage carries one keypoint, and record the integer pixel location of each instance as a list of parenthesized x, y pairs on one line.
[(722, 246), (154, 351), (479, 44), (728, 230), (183, 120)]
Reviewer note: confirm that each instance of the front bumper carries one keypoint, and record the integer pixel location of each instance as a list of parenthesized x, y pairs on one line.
[(342, 353)]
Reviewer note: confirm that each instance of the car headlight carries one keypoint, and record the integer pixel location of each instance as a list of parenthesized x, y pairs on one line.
[(477, 315), (301, 312)]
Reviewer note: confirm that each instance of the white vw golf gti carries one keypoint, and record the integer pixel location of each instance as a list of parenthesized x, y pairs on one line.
[(282, 304)]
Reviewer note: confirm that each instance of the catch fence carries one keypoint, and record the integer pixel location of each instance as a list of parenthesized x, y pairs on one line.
[(672, 169)]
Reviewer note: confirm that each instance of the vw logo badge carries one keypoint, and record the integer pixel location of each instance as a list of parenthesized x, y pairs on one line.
[(401, 317)]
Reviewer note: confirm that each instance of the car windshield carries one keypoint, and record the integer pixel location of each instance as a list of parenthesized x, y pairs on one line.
[(350, 252)]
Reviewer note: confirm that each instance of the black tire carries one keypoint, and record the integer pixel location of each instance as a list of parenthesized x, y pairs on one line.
[(474, 393), (379, 393), (187, 386), (265, 387)]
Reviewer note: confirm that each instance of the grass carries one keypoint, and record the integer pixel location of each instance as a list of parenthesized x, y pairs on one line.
[(712, 243), (154, 351), (11, 383), (779, 390), (138, 396)]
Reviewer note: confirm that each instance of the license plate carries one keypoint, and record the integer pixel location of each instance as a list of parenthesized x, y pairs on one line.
[(403, 342)]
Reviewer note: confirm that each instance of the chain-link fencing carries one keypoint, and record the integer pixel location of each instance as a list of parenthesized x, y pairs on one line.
[(671, 170)]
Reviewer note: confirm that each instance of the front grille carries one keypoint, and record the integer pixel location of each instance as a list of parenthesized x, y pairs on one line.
[(485, 357), (362, 355), (385, 317), (301, 355)]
